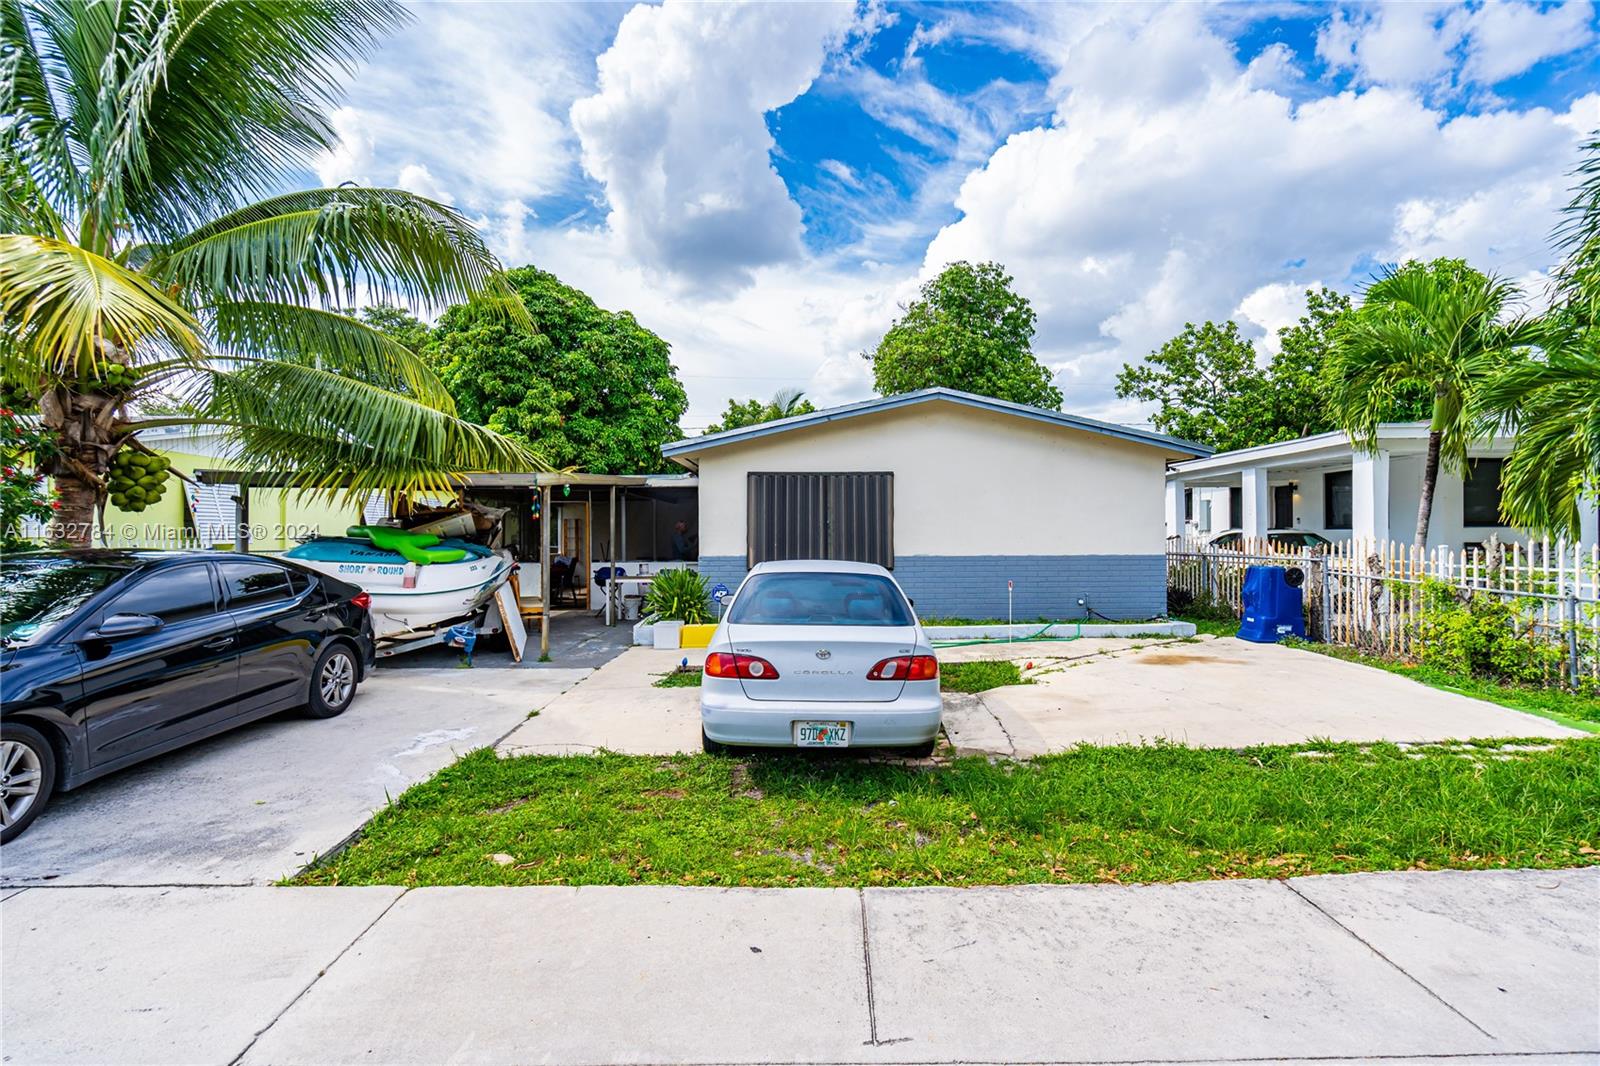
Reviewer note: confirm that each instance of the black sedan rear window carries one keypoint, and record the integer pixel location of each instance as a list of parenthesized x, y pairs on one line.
[(819, 599), (35, 594)]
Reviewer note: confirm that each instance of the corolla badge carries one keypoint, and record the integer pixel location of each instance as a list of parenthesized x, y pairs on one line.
[(824, 653)]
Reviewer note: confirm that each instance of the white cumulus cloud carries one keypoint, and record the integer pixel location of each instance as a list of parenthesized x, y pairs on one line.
[(1165, 195), (677, 132)]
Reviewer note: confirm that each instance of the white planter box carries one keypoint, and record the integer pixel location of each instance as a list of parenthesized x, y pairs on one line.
[(644, 633), (669, 635)]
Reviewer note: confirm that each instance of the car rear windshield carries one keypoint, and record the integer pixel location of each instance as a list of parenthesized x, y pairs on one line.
[(35, 594), (819, 599)]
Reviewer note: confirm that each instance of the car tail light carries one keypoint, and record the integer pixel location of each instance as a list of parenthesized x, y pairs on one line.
[(362, 600), (905, 668), (748, 667)]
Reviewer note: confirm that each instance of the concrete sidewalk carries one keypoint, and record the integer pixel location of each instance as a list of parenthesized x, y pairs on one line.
[(1471, 966)]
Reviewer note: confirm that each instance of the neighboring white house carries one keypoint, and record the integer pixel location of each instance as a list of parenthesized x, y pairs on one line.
[(1323, 484), (957, 493)]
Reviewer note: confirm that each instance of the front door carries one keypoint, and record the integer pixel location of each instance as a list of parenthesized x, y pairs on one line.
[(1283, 507), (143, 691)]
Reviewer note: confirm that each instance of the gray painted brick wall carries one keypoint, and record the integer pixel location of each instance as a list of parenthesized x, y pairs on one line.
[(1047, 586)]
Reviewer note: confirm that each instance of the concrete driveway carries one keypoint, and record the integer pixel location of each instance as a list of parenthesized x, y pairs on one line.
[(618, 708), (261, 802), (1212, 693), (1223, 693)]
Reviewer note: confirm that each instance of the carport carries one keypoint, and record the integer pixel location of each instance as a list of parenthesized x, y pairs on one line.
[(595, 522)]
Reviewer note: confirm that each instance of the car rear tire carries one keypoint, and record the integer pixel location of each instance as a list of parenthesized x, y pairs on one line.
[(711, 747), (920, 751), (333, 681), (27, 777)]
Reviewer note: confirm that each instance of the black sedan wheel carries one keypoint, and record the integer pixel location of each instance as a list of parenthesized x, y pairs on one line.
[(333, 681), (27, 776)]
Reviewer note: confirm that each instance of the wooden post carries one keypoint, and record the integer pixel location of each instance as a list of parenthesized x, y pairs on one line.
[(546, 516)]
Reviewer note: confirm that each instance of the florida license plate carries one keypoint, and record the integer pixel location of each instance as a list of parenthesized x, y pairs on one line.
[(822, 734)]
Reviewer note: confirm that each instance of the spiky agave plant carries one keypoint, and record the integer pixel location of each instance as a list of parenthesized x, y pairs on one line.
[(139, 262)]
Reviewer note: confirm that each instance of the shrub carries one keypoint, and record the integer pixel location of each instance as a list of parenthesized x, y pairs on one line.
[(1183, 602), (679, 595), (1483, 635)]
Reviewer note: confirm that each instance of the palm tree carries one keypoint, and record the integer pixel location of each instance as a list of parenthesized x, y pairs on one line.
[(1433, 327), (1551, 398), (1552, 404), (149, 260), (787, 403)]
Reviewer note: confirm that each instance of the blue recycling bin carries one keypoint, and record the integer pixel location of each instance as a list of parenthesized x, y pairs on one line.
[(1274, 604)]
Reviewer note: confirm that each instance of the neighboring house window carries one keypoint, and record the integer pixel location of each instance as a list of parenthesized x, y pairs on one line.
[(1236, 508), (1338, 497), (821, 516), (1188, 505), (1205, 516), (1480, 493)]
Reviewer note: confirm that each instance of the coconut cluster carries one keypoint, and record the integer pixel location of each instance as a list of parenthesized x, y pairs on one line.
[(138, 479), (114, 377)]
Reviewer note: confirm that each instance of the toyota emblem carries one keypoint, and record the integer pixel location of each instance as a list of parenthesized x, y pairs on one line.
[(824, 653)]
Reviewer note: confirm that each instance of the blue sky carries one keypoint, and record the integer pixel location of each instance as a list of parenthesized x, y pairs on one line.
[(765, 185)]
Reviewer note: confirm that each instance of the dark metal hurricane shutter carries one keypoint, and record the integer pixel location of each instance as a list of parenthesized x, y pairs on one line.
[(786, 517), (821, 516), (860, 517)]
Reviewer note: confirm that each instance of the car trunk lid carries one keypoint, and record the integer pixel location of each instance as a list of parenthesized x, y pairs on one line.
[(822, 664)]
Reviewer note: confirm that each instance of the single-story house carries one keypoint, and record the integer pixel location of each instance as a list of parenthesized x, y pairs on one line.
[(962, 496), (1322, 483)]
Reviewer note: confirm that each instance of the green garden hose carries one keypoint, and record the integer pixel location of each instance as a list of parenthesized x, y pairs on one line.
[(1034, 638)]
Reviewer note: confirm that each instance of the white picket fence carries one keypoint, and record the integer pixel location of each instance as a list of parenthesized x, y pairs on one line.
[(1367, 595)]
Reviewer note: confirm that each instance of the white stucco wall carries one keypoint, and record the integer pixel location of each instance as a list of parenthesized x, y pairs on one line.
[(1445, 525), (967, 482)]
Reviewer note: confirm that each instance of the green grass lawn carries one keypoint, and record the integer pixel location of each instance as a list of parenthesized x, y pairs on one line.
[(1092, 814), (1570, 708), (1213, 626), (679, 679), (979, 675)]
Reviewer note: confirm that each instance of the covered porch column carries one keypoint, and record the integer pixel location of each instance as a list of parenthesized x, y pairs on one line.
[(1256, 502), (1176, 518), (1369, 497)]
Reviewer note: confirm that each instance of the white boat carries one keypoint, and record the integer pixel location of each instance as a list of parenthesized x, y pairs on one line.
[(409, 596)]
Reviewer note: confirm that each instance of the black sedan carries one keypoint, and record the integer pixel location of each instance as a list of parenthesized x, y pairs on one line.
[(111, 657)]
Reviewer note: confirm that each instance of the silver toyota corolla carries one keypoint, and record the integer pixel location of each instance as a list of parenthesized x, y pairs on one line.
[(820, 654)]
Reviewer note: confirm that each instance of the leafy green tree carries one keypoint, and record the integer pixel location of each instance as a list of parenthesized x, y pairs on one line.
[(1550, 397), (1433, 327), (786, 403), (1210, 387), (399, 325), (588, 387), (968, 330), (136, 260)]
